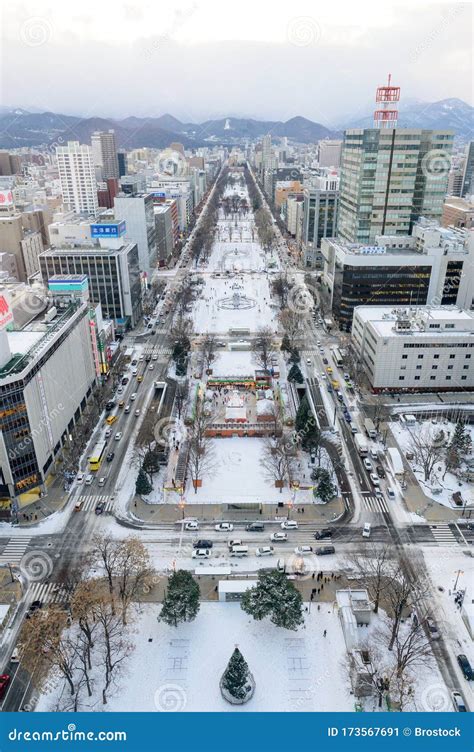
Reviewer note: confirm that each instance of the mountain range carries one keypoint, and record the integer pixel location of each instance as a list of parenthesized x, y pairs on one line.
[(21, 127)]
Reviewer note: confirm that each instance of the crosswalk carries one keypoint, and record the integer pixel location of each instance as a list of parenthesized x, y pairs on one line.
[(14, 550), (443, 534), (90, 501), (375, 504), (47, 592)]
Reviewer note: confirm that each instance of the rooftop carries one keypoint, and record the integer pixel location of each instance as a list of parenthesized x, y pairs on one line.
[(423, 320)]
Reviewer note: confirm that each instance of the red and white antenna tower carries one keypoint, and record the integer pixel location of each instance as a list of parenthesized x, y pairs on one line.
[(386, 96)]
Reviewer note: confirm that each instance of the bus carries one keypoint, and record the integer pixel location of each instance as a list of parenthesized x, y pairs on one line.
[(336, 354), (97, 455), (129, 355)]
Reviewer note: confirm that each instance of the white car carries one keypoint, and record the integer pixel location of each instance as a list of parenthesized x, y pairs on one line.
[(151, 367), (89, 480), (390, 493), (79, 477), (108, 433), (366, 530), (202, 553), (133, 397), (282, 537), (142, 357), (367, 464), (193, 525), (309, 362), (118, 436), (224, 527), (137, 413), (375, 479), (102, 482), (303, 550), (264, 551), (289, 525), (154, 357), (318, 343), (127, 409), (234, 542)]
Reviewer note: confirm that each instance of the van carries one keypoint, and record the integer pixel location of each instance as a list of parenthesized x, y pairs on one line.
[(366, 530), (325, 551), (255, 527), (239, 551)]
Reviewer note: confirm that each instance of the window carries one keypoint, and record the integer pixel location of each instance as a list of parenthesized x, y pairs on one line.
[(417, 378), (450, 368), (468, 355), (418, 368), (452, 356), (448, 378), (436, 357), (401, 378), (404, 357), (465, 368), (463, 378), (420, 356), (432, 378), (434, 368)]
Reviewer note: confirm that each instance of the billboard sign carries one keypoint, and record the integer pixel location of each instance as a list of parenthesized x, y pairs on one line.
[(108, 229), (6, 198), (6, 313)]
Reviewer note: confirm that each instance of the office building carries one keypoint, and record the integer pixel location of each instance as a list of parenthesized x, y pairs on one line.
[(389, 178), (23, 244), (433, 265), (10, 164), (467, 179), (104, 150), (111, 265), (137, 212), (164, 232), (122, 162), (329, 153), (458, 212), (426, 348), (319, 216), (47, 373), (77, 177)]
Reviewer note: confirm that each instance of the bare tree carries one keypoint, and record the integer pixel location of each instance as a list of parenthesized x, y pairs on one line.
[(114, 646), (263, 347), (372, 570), (402, 594), (293, 323), (201, 450), (134, 573), (180, 398), (278, 460), (208, 349), (46, 643), (426, 451), (106, 554)]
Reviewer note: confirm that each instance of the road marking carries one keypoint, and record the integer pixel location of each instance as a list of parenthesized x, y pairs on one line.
[(375, 504), (443, 534), (47, 592), (89, 502), (15, 549)]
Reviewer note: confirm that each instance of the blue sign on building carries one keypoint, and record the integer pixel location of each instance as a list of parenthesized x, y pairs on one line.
[(108, 229)]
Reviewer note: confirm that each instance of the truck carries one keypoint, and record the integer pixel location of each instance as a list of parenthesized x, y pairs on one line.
[(370, 428), (396, 462), (361, 444)]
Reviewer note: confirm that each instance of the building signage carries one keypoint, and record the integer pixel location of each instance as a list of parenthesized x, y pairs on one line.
[(6, 198), (108, 230), (6, 314)]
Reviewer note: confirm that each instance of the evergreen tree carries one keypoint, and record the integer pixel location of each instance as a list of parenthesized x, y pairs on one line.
[(143, 485), (295, 374), (235, 679), (276, 597), (303, 414), (461, 440), (181, 601), (325, 489), (295, 356), (285, 343)]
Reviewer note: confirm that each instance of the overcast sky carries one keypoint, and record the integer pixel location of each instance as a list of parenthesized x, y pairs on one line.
[(255, 58)]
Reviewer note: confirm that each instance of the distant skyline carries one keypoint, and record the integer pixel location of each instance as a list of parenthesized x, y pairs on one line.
[(197, 61)]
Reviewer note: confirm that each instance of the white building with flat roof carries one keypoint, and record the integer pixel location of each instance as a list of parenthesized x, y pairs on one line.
[(425, 349), (77, 177)]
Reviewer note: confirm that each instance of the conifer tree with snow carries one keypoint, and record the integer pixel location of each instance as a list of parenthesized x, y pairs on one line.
[(181, 601), (325, 488), (143, 485), (461, 440), (295, 374), (274, 596), (237, 683)]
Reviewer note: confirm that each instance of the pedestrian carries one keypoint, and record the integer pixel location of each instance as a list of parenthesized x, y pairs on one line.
[(319, 590), (302, 510), (322, 588), (312, 576), (319, 607), (324, 633)]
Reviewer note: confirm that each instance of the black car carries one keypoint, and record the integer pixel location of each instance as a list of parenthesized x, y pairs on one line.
[(153, 331), (34, 606), (465, 666), (324, 533), (380, 471), (110, 404), (325, 361), (124, 380), (325, 551), (202, 544), (99, 508), (110, 456), (255, 527)]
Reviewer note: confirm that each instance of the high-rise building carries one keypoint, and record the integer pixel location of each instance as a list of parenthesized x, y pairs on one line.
[(104, 150), (329, 153), (77, 177), (319, 216), (467, 179), (390, 177), (430, 266), (10, 164), (122, 162), (458, 212), (137, 212)]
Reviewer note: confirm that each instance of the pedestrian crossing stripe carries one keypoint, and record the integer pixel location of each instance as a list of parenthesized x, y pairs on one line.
[(47, 592), (15, 549), (90, 502), (376, 504), (442, 533)]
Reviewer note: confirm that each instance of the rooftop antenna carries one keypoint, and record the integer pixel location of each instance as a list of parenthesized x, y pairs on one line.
[(384, 97)]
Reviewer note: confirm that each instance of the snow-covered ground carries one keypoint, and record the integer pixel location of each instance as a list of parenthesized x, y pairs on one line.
[(175, 669), (209, 315), (441, 485)]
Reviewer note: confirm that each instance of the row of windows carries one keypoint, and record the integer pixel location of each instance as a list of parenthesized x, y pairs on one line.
[(432, 378), (438, 344)]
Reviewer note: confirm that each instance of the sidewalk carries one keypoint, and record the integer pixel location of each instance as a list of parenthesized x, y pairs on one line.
[(43, 508), (157, 514)]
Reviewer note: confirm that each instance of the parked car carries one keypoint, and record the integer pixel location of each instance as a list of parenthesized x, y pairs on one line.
[(289, 525), (203, 544), (458, 702), (390, 493), (375, 479), (110, 456), (264, 551), (281, 537), (366, 530), (324, 533), (201, 553), (4, 682), (224, 527), (380, 471), (125, 380), (465, 666), (303, 550), (100, 508), (325, 551), (193, 525), (234, 542)]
